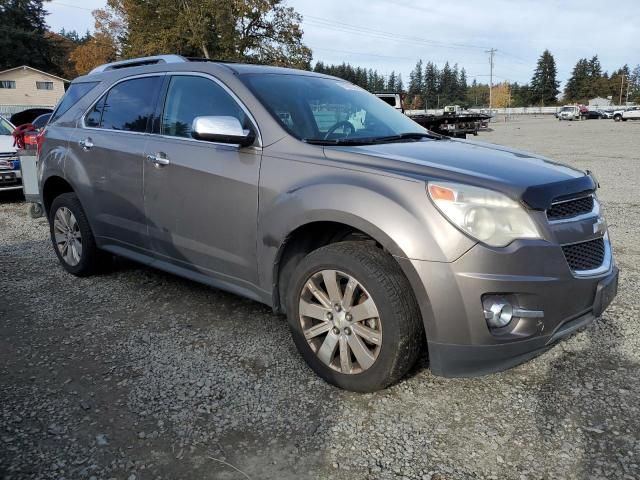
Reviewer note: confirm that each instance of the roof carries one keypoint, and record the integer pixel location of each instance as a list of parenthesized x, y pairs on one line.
[(27, 67)]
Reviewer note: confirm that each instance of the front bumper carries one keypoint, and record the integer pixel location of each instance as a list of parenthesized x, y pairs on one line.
[(535, 274), (10, 180)]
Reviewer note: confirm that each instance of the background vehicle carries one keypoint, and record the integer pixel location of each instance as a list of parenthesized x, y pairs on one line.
[(606, 113), (28, 116), (453, 122), (10, 176), (361, 225), (573, 112), (594, 115), (632, 113)]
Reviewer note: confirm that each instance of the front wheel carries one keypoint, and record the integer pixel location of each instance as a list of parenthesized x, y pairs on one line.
[(353, 316), (617, 118)]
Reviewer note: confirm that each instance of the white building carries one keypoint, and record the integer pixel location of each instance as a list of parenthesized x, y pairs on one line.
[(599, 102)]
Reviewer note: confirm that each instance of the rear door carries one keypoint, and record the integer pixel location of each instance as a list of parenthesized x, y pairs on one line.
[(109, 146), (202, 204)]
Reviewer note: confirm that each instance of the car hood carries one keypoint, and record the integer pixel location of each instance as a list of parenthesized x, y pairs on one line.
[(534, 179), (6, 144)]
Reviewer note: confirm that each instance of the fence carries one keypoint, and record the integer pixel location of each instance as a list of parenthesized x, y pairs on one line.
[(513, 111)]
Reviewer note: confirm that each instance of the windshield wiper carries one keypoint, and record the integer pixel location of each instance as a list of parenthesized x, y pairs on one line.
[(374, 140), (341, 141), (409, 136)]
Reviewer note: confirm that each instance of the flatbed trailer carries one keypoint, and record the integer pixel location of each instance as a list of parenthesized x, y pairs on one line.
[(456, 125), (454, 122)]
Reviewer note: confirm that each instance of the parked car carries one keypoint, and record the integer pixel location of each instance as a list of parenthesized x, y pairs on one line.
[(28, 116), (41, 121), (307, 193), (606, 113), (594, 115), (632, 113), (10, 176)]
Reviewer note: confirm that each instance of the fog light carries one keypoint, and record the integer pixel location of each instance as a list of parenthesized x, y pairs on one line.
[(497, 311)]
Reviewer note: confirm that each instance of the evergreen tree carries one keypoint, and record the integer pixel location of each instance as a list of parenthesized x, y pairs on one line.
[(576, 89), (415, 81), (22, 35), (544, 85), (399, 83), (391, 82), (430, 88)]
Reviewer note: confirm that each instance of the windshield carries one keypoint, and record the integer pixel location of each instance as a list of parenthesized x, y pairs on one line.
[(321, 110), (5, 127)]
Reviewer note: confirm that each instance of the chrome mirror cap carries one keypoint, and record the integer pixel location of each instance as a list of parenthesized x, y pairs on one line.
[(221, 129)]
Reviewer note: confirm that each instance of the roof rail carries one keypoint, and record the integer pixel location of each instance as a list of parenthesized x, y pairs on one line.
[(138, 62)]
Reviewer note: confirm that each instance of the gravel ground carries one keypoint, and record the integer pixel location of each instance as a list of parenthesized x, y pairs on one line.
[(135, 374)]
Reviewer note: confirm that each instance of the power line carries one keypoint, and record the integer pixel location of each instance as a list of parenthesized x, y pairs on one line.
[(350, 28), (72, 6)]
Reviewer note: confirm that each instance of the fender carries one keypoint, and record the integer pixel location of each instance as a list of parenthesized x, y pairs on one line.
[(397, 214)]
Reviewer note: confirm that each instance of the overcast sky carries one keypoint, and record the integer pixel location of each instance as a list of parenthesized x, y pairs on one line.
[(393, 34)]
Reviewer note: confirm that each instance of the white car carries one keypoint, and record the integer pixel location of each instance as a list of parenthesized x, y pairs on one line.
[(10, 175), (631, 113)]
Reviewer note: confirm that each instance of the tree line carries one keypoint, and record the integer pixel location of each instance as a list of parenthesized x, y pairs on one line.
[(268, 31)]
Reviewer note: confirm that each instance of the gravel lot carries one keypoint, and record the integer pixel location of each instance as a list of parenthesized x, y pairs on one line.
[(135, 374)]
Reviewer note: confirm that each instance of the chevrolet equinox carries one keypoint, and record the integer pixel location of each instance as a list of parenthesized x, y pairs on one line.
[(376, 237)]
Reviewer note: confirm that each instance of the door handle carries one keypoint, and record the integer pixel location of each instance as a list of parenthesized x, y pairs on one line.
[(86, 144), (158, 160)]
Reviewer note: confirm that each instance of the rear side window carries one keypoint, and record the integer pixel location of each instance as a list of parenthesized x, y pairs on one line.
[(74, 94), (128, 106), (189, 97)]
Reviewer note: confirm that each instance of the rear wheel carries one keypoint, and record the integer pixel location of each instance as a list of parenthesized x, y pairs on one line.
[(353, 316), (72, 237)]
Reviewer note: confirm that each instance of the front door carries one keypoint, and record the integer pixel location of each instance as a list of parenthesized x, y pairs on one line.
[(110, 148), (201, 198)]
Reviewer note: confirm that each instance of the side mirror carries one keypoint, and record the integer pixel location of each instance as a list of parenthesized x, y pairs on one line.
[(221, 129)]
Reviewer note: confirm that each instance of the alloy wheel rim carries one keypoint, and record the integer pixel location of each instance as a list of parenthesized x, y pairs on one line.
[(67, 236), (340, 321)]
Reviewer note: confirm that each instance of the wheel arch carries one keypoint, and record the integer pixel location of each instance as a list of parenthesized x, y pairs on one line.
[(53, 187)]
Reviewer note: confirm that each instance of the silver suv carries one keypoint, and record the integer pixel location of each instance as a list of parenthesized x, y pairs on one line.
[(306, 193)]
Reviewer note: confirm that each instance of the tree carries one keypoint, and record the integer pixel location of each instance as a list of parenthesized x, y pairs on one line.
[(501, 95), (22, 35), (261, 31), (544, 85), (576, 89), (415, 82), (391, 82), (98, 50), (430, 88)]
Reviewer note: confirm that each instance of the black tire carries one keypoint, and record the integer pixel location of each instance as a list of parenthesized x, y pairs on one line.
[(399, 315), (617, 118), (91, 258)]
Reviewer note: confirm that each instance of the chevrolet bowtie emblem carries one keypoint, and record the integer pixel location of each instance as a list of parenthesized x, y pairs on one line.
[(600, 226)]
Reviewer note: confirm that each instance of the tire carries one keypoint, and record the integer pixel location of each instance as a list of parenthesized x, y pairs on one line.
[(617, 118), (81, 260), (383, 300)]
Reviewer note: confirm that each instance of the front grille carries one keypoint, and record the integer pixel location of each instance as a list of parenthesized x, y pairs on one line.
[(585, 255), (570, 208)]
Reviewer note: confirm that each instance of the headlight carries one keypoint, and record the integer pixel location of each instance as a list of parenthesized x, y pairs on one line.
[(488, 216)]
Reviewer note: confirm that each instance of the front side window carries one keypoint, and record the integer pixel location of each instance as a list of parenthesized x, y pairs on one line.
[(189, 97), (313, 108), (128, 106), (44, 85), (7, 84)]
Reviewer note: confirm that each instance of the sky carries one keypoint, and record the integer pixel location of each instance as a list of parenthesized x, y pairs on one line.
[(391, 35)]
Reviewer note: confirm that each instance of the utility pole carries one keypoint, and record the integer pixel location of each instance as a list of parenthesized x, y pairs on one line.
[(621, 84), (491, 53), (626, 102)]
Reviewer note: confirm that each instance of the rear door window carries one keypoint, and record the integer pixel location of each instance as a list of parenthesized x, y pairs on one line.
[(75, 92), (128, 106)]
